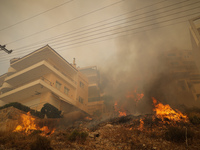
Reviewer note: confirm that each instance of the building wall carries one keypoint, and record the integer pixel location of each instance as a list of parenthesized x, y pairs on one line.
[(82, 91), (57, 80)]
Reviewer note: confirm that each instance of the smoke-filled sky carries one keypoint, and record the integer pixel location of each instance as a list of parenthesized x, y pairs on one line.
[(124, 38), (95, 32)]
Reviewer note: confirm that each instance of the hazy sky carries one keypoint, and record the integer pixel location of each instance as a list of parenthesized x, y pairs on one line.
[(91, 31)]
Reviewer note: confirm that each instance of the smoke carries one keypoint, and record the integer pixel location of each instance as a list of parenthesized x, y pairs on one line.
[(139, 63)]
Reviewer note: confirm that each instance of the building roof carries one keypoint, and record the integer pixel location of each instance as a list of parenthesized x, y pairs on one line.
[(42, 53)]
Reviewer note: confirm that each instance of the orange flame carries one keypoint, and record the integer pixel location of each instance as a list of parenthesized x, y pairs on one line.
[(28, 125), (121, 113), (164, 112), (134, 95), (141, 125), (88, 118)]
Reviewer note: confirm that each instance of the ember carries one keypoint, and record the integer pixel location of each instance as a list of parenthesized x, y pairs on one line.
[(28, 126), (164, 112)]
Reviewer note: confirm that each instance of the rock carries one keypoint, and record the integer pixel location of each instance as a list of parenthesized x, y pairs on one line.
[(109, 125), (94, 134)]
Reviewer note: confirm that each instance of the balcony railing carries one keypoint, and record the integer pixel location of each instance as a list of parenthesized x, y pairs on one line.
[(42, 78)]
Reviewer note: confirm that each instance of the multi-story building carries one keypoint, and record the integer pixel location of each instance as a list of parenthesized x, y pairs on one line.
[(95, 102), (183, 69), (43, 76), (195, 39)]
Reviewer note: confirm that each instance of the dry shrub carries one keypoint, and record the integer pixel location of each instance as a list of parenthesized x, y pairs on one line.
[(117, 134), (80, 137), (178, 134), (194, 118), (41, 143), (14, 140)]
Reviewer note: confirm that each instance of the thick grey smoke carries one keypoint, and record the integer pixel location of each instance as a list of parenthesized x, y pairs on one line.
[(140, 64)]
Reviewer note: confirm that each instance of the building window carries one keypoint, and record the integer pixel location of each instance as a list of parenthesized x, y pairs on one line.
[(81, 84), (66, 90), (58, 85), (80, 99)]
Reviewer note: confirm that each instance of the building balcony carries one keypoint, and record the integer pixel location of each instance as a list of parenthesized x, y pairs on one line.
[(35, 72), (33, 88)]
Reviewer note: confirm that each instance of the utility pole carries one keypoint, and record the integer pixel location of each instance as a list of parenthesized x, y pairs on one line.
[(3, 47)]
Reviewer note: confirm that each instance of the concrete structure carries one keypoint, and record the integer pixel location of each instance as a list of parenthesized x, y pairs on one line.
[(184, 71), (195, 39), (43, 76), (95, 102)]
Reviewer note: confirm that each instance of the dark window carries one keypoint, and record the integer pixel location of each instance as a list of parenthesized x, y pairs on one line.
[(81, 100), (82, 84), (58, 85)]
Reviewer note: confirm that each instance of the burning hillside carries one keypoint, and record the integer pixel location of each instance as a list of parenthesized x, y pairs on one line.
[(126, 132)]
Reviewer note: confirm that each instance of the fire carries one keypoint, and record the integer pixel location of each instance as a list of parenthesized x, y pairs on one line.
[(28, 125), (121, 113), (134, 95), (164, 112), (88, 118), (141, 125)]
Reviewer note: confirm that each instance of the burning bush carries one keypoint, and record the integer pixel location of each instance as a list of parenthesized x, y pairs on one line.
[(178, 134)]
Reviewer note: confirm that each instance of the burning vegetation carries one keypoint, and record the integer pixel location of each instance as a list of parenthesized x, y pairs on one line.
[(167, 126), (167, 114), (28, 126)]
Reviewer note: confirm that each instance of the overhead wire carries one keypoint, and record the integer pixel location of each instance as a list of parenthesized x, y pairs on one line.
[(123, 31), (139, 22), (58, 36), (36, 15), (78, 30), (113, 22), (132, 29), (93, 11)]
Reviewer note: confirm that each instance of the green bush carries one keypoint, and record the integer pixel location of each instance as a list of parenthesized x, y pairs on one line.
[(51, 111), (78, 136), (41, 143), (178, 134)]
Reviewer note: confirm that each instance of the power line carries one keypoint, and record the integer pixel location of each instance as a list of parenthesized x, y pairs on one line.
[(134, 20), (35, 15), (118, 21), (131, 30), (124, 26), (58, 36), (66, 21)]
